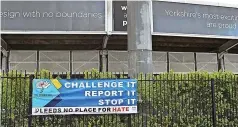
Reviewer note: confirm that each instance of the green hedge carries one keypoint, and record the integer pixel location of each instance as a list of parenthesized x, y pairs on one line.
[(168, 99), (186, 99)]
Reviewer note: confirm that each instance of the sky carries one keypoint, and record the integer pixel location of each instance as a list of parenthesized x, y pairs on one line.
[(221, 1), (216, 1), (225, 1)]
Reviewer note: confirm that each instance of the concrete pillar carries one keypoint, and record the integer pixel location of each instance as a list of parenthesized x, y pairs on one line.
[(139, 37), (4, 58), (4, 63)]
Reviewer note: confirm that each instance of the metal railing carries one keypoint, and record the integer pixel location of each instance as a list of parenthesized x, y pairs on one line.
[(166, 100)]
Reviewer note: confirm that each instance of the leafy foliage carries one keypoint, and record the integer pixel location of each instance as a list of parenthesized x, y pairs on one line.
[(168, 99), (15, 97), (186, 99)]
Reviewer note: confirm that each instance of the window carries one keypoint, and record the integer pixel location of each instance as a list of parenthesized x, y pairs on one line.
[(181, 61), (207, 62), (85, 60), (117, 61), (231, 62), (23, 60), (55, 61), (159, 62)]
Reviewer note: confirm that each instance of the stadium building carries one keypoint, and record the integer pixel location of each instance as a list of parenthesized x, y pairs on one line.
[(74, 36)]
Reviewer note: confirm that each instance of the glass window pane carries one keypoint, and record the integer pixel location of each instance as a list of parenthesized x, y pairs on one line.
[(181, 61), (207, 57), (159, 62), (118, 67), (159, 67), (231, 62), (28, 67), (181, 57), (210, 67), (207, 62), (55, 67), (159, 56), (114, 56), (22, 56), (81, 67), (79, 56), (54, 56), (182, 67)]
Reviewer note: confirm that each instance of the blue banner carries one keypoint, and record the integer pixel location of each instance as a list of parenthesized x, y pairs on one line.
[(73, 96)]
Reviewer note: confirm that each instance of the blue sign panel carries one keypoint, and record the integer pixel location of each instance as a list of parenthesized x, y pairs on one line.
[(72, 96)]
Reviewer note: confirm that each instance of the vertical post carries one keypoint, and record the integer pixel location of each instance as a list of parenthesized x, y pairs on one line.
[(37, 60), (129, 115), (104, 55), (4, 63), (70, 61), (129, 120), (195, 61), (4, 68), (7, 62), (139, 37), (2, 74), (104, 60), (30, 102), (1, 57), (1, 83), (220, 58), (213, 103), (123, 117), (168, 63)]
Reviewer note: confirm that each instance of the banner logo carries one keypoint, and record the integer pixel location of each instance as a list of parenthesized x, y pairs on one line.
[(42, 85)]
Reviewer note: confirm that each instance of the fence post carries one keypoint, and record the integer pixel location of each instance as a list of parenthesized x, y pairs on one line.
[(30, 101), (1, 90), (123, 117), (129, 115), (213, 103)]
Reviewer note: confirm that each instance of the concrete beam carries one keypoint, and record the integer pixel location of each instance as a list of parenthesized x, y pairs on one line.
[(56, 42), (50, 37), (227, 46)]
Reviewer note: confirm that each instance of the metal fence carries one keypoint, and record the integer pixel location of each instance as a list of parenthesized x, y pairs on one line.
[(165, 100)]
